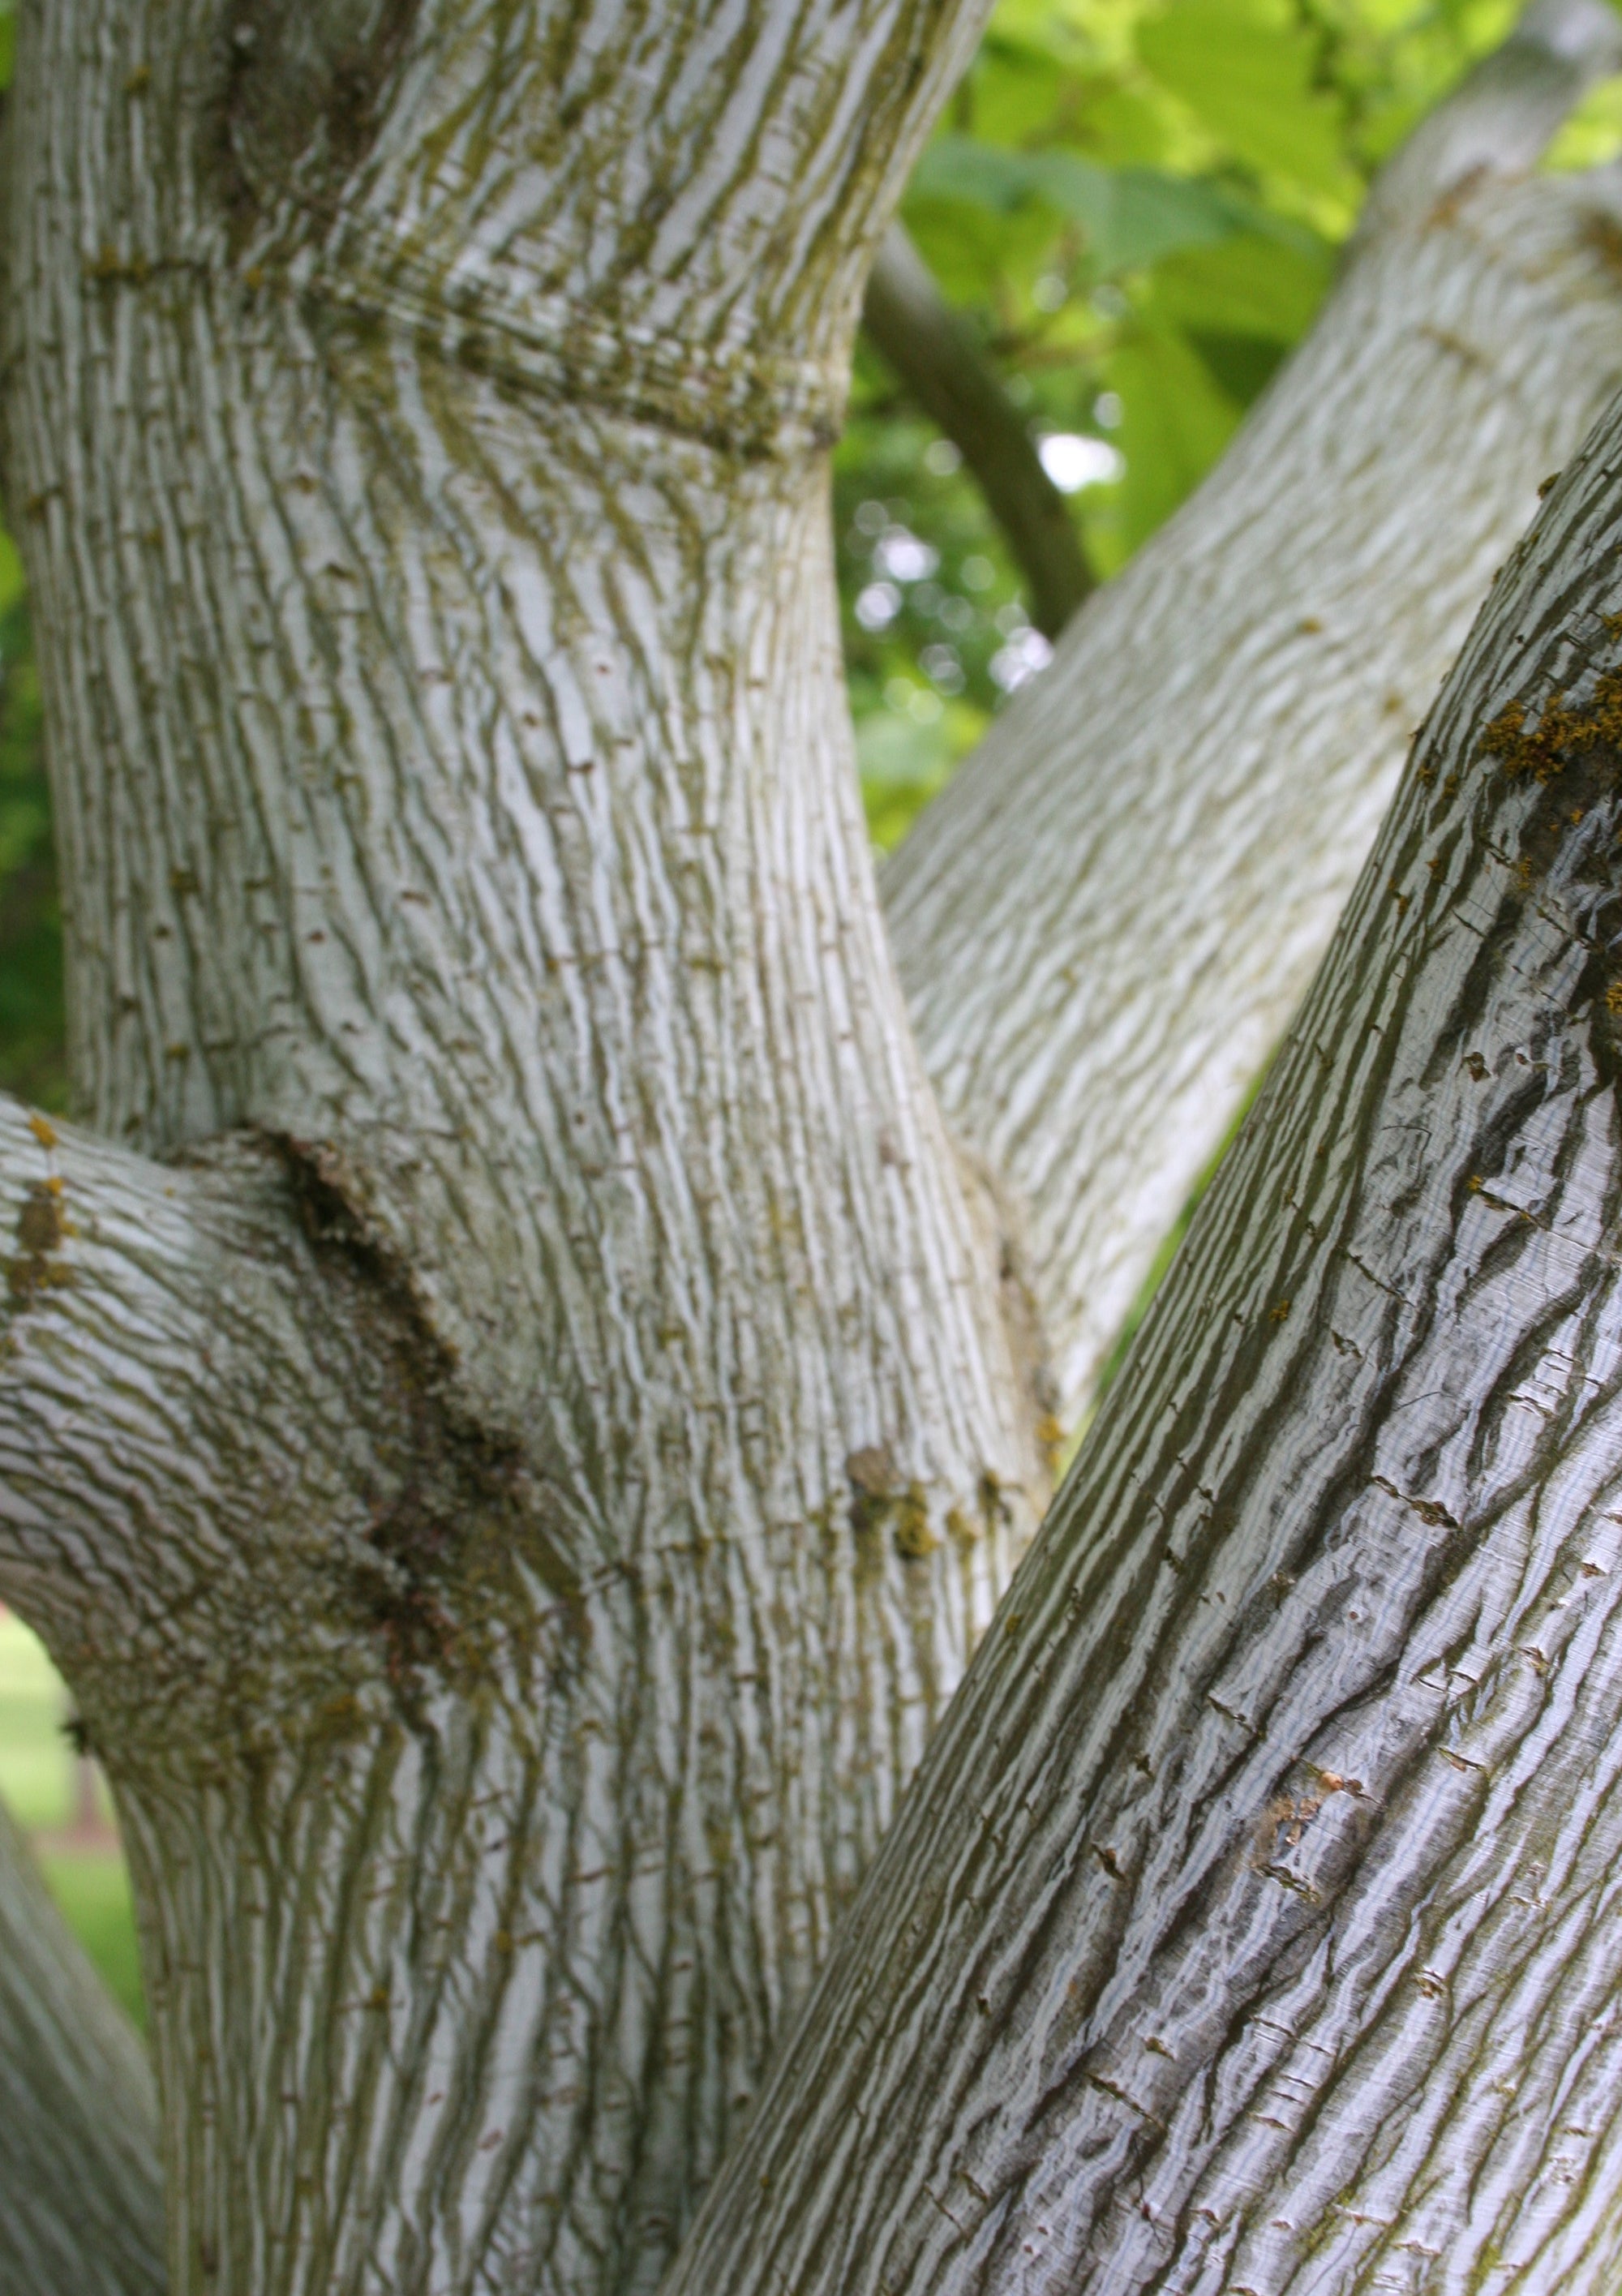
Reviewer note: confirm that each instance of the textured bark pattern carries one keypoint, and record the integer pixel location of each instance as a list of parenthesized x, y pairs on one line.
[(157, 1529), (1106, 922), (1253, 1925), (458, 789), (79, 2204)]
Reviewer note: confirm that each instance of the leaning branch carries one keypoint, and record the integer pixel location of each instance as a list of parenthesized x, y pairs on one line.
[(80, 2194), (1105, 922), (951, 378), (1253, 1921), (1500, 118)]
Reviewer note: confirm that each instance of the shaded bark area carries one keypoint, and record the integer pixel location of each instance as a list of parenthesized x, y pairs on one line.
[(78, 2121), (1106, 921), (1253, 1921)]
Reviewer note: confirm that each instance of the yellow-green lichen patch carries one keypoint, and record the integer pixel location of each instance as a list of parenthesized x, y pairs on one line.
[(42, 1228)]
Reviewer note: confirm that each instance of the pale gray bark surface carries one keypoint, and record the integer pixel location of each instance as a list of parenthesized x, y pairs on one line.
[(79, 2127), (457, 796), (1107, 919), (1253, 1923), (515, 1491), (944, 368)]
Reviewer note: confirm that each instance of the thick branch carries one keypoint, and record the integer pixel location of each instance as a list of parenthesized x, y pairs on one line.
[(80, 2209), (962, 393), (1254, 1922), (162, 1330), (1105, 922)]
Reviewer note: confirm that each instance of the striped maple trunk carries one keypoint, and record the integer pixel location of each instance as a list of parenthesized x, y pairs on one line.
[(561, 1449)]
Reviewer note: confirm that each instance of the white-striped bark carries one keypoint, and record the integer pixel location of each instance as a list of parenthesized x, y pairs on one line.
[(1106, 921), (1253, 1923), (79, 2204), (513, 1500), (416, 427)]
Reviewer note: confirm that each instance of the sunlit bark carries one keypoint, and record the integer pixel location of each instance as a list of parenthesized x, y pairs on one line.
[(426, 409), (514, 1415)]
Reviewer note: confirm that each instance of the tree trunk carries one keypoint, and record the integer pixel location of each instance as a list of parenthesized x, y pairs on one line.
[(1107, 920), (425, 409), (513, 1491), (78, 2118), (1253, 1922)]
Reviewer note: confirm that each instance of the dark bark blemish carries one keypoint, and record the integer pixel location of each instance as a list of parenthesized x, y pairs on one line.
[(41, 1227), (301, 98)]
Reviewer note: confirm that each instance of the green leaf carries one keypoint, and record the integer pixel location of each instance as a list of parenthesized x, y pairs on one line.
[(975, 251), (1250, 78), (1253, 283), (1176, 421), (1016, 93), (1241, 365), (1132, 215), (980, 175)]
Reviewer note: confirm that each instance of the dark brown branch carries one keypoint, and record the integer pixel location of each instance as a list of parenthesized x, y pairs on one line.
[(957, 387)]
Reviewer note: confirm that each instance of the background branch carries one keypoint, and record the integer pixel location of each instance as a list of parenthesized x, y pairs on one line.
[(1105, 921), (80, 2205), (937, 357)]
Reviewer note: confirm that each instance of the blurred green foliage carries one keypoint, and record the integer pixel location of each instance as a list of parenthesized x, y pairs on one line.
[(1138, 205), (31, 1059)]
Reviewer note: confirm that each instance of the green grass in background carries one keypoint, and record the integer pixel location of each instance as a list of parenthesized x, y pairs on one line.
[(38, 1784), (36, 1760), (94, 1894)]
